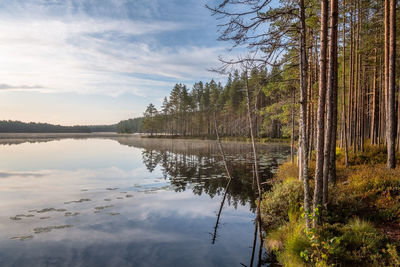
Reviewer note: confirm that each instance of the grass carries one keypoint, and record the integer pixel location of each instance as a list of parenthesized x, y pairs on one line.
[(361, 226)]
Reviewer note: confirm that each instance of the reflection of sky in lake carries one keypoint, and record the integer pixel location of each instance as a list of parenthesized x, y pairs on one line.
[(123, 215)]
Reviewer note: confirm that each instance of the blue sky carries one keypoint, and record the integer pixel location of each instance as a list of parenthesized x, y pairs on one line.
[(97, 62)]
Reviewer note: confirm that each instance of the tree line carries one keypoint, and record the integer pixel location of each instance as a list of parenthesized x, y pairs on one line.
[(189, 112), (130, 126), (33, 127)]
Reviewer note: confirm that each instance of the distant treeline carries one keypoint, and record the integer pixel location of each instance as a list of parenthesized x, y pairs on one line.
[(32, 127), (130, 126), (102, 128), (191, 112)]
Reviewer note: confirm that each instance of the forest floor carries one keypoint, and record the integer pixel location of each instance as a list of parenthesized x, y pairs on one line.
[(361, 225)]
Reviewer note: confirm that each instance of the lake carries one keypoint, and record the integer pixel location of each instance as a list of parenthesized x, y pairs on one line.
[(128, 201)]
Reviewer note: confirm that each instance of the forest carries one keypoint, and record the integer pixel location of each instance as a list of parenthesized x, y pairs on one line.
[(324, 74), (130, 126), (32, 127)]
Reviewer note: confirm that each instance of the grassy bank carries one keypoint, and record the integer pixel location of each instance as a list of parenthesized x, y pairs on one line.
[(361, 226), (226, 138)]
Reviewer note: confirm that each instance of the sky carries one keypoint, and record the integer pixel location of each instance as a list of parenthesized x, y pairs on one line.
[(100, 61)]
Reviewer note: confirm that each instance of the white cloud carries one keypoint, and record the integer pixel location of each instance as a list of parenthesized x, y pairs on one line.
[(87, 55)]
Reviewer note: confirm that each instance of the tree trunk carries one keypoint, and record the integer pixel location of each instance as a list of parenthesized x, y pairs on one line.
[(344, 130), (303, 111), (331, 119), (321, 114), (390, 116), (249, 113), (334, 81), (292, 135), (375, 103), (351, 77)]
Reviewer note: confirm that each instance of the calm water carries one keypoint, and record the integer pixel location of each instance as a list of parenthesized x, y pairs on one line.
[(127, 202)]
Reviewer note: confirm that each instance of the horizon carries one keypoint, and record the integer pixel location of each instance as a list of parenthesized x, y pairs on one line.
[(80, 63)]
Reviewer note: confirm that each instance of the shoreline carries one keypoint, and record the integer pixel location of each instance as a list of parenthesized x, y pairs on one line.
[(59, 135), (224, 139), (114, 135)]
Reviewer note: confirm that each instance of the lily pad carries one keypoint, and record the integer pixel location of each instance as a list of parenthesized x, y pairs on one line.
[(78, 201), (22, 238), (103, 207), (45, 210), (47, 229), (70, 214)]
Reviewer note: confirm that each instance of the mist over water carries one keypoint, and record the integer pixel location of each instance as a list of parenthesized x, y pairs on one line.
[(127, 201)]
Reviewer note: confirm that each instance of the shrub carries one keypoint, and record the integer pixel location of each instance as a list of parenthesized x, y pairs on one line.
[(393, 256), (372, 192), (378, 189), (277, 202), (287, 171)]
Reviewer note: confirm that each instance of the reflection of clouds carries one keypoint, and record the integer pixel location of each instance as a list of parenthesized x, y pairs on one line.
[(48, 188), (185, 204), (166, 226), (86, 236), (51, 178), (52, 188)]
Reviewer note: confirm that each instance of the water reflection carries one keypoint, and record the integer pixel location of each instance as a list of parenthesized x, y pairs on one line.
[(144, 203), (200, 167)]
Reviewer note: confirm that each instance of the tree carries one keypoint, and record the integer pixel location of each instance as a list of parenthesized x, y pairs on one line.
[(390, 18), (321, 113), (331, 103), (303, 153), (149, 118), (165, 113), (174, 101)]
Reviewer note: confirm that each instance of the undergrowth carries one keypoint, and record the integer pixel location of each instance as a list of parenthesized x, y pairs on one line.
[(365, 199)]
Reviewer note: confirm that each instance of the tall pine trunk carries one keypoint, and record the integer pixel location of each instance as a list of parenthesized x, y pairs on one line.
[(334, 82), (391, 83), (330, 132), (344, 130), (321, 114), (303, 111)]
